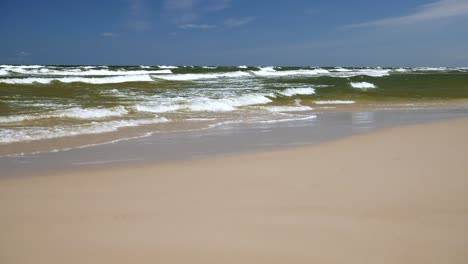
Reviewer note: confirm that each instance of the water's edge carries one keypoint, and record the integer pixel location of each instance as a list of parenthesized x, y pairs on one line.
[(230, 138)]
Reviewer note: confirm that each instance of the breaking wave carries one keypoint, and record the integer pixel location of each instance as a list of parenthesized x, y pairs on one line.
[(37, 133), (75, 113), (362, 85), (101, 80)]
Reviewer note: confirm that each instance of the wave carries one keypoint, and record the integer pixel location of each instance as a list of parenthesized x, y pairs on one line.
[(87, 72), (167, 67), (299, 108), (362, 85), (334, 102), (227, 104), (401, 70), (101, 80), (339, 69), (298, 91), (431, 69), (202, 76), (287, 119), (157, 108), (271, 72), (203, 104), (30, 134), (74, 113)]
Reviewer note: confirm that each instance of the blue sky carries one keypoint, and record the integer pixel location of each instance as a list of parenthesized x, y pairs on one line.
[(235, 32)]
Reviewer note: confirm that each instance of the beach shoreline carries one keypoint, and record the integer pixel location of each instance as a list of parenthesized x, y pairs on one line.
[(85, 140), (227, 139), (397, 195)]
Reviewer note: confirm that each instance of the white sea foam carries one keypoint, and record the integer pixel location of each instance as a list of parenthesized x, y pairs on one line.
[(84, 71), (362, 85), (431, 69), (339, 69), (4, 72), (201, 119), (227, 104), (101, 80), (401, 70), (299, 108), (298, 91), (288, 119), (28, 134), (334, 102), (162, 108), (91, 113), (202, 76), (271, 72), (359, 72), (167, 67), (74, 113), (209, 67), (242, 67)]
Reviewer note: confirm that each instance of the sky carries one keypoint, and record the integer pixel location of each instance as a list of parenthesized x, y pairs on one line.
[(235, 32)]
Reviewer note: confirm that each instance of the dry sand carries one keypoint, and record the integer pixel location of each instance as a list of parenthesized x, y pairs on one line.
[(394, 196)]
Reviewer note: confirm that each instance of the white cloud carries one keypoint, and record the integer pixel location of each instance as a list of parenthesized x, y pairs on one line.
[(238, 22), (138, 16), (196, 26), (188, 11), (311, 11), (432, 11), (20, 56), (108, 34), (24, 54)]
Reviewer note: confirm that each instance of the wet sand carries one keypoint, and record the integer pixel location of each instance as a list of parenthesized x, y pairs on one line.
[(398, 195)]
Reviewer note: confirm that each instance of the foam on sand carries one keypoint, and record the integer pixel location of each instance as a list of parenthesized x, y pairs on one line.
[(288, 119), (362, 85), (333, 102), (280, 109)]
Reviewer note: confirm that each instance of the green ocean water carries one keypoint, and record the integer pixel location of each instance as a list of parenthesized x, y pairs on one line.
[(40, 102)]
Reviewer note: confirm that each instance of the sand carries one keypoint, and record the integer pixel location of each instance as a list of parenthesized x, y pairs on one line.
[(394, 196)]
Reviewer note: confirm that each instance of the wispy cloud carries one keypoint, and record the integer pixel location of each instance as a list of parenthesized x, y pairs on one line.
[(183, 12), (138, 16), (311, 11), (109, 34), (196, 26), (24, 54), (238, 22), (20, 56), (432, 11)]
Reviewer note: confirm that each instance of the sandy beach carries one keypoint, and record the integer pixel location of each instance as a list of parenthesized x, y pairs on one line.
[(398, 195)]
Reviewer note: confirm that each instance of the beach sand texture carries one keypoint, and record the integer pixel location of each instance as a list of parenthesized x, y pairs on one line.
[(395, 196)]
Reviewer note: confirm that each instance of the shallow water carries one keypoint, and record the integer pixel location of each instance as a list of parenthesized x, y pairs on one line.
[(44, 107), (228, 138)]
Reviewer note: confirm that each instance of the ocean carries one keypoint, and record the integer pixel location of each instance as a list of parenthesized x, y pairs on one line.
[(72, 106)]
